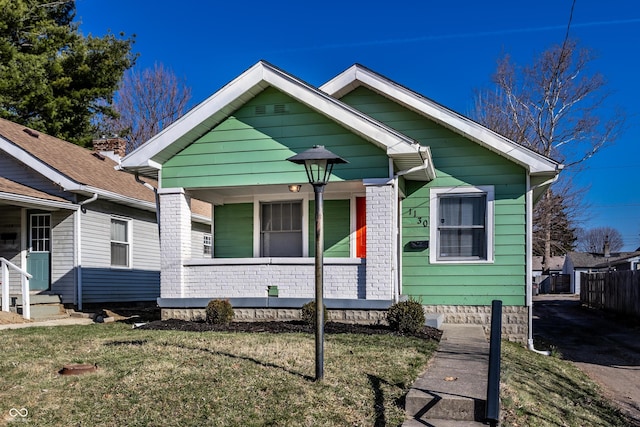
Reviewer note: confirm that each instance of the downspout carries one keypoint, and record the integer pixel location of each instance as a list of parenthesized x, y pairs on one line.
[(397, 261), (529, 271), (79, 247), (155, 193)]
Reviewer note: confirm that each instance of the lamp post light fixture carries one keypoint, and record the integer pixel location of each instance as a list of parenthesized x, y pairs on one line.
[(318, 163)]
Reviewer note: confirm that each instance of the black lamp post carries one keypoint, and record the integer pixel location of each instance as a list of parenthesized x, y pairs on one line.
[(318, 162)]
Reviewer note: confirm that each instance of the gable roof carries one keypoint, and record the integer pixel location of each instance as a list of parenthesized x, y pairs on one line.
[(598, 260), (26, 196), (406, 153), (555, 264), (72, 167), (358, 75)]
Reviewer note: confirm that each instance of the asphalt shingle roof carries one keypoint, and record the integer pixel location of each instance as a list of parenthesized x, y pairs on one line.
[(12, 187), (598, 260), (77, 163)]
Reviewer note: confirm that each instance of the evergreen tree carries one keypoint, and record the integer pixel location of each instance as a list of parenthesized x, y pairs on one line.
[(561, 235), (52, 78)]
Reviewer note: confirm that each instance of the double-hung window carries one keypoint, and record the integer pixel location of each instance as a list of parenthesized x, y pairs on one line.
[(120, 242), (281, 229), (206, 244), (461, 224)]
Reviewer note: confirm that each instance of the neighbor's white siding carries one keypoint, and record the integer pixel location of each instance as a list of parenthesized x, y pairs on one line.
[(18, 172), (101, 282), (62, 256)]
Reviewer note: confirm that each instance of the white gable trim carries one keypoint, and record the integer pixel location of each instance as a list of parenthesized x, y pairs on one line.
[(217, 107), (38, 165), (358, 75)]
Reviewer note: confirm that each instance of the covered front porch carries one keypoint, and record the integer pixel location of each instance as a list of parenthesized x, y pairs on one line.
[(258, 264)]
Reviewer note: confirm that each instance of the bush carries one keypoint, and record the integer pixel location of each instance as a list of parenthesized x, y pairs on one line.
[(219, 312), (406, 316), (308, 313)]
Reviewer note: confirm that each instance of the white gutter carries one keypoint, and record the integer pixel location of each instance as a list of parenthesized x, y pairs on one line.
[(157, 199), (529, 259), (78, 245)]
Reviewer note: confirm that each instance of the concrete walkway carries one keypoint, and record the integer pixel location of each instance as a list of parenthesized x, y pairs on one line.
[(55, 322), (452, 392)]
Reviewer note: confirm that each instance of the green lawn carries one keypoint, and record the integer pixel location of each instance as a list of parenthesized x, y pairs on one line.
[(171, 378), (544, 391)]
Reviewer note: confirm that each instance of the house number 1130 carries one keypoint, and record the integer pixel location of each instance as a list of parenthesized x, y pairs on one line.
[(421, 220)]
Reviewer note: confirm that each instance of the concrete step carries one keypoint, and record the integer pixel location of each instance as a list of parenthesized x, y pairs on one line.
[(423, 404), (45, 311), (37, 299), (455, 384), (431, 422), (42, 306)]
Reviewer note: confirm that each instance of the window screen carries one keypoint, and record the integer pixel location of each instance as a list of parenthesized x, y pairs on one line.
[(462, 227), (281, 229), (120, 243)]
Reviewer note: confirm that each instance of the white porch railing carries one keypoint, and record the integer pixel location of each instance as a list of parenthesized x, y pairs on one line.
[(26, 301)]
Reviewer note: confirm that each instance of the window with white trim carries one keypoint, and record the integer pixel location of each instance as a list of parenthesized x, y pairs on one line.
[(120, 242), (461, 224), (281, 229), (206, 244)]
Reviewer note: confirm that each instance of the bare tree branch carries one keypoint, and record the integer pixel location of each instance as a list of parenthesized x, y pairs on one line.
[(146, 103), (554, 107)]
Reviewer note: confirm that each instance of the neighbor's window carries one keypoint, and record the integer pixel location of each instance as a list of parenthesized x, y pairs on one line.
[(120, 242), (461, 224), (206, 242), (281, 229)]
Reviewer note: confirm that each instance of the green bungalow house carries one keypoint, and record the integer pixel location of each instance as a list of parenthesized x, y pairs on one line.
[(431, 204)]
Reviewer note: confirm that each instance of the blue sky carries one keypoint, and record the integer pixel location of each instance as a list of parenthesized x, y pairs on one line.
[(443, 50)]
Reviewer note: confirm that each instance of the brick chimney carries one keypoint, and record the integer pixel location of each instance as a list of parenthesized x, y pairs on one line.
[(115, 145)]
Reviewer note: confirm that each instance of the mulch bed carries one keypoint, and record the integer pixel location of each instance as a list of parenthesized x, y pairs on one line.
[(284, 327)]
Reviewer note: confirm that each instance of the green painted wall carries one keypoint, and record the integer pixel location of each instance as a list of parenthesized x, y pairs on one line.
[(251, 147), (458, 161), (233, 231), (337, 226)]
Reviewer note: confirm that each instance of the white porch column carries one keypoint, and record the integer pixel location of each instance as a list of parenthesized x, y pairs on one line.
[(380, 248), (175, 240)]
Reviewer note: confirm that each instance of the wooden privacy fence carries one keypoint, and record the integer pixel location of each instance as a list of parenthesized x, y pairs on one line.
[(617, 291)]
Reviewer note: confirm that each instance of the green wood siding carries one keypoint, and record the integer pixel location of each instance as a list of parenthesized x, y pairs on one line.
[(337, 226), (458, 162), (251, 147), (233, 231)]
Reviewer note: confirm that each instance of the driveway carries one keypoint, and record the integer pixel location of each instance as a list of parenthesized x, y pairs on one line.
[(605, 347)]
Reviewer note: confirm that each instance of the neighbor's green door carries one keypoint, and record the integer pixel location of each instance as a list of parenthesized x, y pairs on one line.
[(38, 258)]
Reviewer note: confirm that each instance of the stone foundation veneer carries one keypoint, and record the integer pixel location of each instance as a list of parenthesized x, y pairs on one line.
[(514, 318), (362, 317)]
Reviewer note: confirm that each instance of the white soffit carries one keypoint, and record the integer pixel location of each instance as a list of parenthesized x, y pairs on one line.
[(358, 75)]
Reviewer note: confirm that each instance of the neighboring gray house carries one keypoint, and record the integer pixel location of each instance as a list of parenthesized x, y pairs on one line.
[(590, 262), (85, 231)]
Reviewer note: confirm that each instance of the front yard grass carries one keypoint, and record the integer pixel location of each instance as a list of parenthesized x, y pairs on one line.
[(171, 378)]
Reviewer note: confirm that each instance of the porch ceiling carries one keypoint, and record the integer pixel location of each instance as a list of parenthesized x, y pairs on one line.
[(221, 195)]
